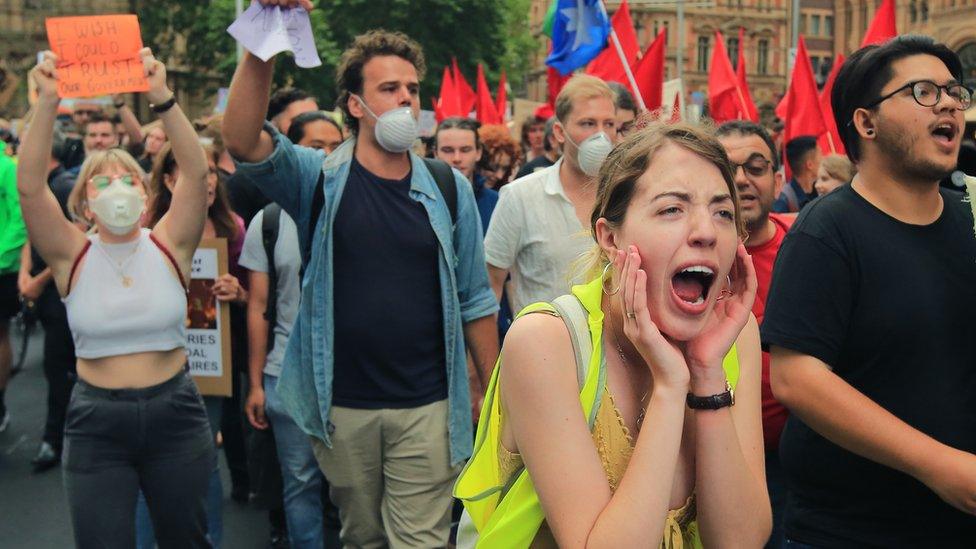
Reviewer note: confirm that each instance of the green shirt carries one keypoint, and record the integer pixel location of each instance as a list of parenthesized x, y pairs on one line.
[(13, 233)]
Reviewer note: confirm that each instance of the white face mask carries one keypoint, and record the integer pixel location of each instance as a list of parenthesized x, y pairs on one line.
[(118, 207), (591, 152), (396, 129)]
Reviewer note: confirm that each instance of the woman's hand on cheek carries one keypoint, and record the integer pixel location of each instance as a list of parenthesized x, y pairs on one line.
[(664, 359), (706, 352)]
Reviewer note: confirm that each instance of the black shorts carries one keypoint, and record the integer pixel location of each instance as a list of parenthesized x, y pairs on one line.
[(9, 296)]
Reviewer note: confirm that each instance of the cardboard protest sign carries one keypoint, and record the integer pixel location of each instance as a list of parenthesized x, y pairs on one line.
[(208, 321), (97, 54)]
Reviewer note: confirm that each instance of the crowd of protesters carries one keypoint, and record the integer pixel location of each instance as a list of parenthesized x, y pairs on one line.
[(760, 360)]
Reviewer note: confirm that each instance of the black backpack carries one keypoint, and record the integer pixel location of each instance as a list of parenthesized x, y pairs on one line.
[(443, 176)]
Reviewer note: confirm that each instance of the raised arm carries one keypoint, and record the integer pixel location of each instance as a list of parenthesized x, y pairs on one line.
[(247, 107), (129, 120), (56, 239), (182, 226)]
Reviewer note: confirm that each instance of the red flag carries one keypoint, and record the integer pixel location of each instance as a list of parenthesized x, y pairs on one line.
[(752, 113), (607, 65), (830, 142), (447, 103), (501, 99), (555, 82), (725, 101), (676, 110), (438, 115), (800, 107), (883, 25), (649, 72), (466, 95), (485, 106)]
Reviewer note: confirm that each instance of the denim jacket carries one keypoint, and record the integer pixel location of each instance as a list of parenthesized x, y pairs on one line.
[(288, 177)]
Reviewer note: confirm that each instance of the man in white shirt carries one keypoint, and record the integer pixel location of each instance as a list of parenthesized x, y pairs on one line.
[(539, 227)]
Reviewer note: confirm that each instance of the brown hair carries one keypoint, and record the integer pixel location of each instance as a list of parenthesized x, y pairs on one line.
[(581, 86), (219, 212), (631, 158), (531, 120), (496, 139), (349, 72), (839, 167), (94, 163)]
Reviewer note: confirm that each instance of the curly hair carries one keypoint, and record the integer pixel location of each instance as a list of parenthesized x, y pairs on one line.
[(496, 139), (349, 72)]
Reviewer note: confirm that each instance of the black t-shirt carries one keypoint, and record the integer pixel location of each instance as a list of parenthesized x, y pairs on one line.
[(890, 307), (246, 198), (389, 333), (538, 163)]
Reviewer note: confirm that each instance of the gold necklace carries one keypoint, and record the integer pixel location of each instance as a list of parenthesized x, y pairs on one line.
[(119, 266), (623, 357)]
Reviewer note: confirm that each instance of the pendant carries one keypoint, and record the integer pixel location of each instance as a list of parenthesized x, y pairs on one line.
[(126, 281)]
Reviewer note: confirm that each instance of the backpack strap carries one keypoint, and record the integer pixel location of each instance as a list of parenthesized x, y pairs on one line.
[(444, 177), (172, 260), (74, 266), (270, 219)]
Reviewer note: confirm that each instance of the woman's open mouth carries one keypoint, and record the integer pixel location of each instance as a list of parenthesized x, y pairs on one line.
[(690, 286)]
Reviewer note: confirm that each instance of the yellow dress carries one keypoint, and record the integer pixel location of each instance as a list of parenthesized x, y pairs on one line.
[(615, 446)]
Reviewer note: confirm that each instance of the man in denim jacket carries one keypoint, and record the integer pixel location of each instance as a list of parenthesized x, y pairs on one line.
[(375, 370)]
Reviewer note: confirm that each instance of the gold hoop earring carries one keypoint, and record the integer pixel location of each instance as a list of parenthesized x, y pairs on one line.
[(603, 280)]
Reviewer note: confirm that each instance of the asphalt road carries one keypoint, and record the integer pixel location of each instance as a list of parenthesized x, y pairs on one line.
[(33, 510)]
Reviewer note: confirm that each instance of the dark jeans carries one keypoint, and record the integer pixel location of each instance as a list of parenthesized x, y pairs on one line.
[(59, 367), (118, 441)]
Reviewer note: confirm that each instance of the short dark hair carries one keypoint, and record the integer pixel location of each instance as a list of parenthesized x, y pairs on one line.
[(97, 117), (797, 150), (282, 98), (374, 43), (530, 120), (622, 98), (547, 137), (297, 130), (868, 70), (459, 123), (745, 127)]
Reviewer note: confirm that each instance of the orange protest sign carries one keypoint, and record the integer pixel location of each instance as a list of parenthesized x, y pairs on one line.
[(97, 55)]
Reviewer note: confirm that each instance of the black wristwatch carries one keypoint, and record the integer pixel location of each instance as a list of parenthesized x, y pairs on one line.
[(713, 402), (164, 106)]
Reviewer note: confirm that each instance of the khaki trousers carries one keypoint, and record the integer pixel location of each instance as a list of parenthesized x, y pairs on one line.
[(390, 475)]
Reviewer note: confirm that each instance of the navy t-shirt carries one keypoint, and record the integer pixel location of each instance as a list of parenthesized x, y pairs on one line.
[(389, 333)]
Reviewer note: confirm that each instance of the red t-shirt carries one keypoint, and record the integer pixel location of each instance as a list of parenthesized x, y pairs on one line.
[(773, 413)]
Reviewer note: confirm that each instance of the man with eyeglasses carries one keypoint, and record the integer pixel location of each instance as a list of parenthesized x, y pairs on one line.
[(869, 319), (758, 180)]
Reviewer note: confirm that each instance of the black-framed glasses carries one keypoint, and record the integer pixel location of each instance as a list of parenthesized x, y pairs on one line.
[(928, 94), (755, 166)]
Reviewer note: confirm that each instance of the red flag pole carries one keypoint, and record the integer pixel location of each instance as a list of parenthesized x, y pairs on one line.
[(623, 60)]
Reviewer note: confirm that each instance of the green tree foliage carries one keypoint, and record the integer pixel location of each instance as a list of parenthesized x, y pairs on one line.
[(193, 35)]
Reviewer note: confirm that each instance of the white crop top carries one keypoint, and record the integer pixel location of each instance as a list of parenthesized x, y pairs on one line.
[(126, 300)]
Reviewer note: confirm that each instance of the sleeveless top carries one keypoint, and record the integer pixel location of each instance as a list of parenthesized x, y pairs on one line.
[(615, 445), (126, 300), (500, 501)]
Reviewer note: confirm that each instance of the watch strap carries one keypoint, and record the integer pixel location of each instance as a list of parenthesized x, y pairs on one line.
[(712, 402), (164, 106)]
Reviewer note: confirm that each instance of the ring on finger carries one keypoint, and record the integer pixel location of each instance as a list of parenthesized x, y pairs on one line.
[(630, 314)]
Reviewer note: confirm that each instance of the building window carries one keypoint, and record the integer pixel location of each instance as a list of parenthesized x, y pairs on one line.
[(732, 48), (913, 11), (864, 17), (815, 64), (925, 10), (703, 53), (849, 20), (814, 25), (762, 57), (829, 25)]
